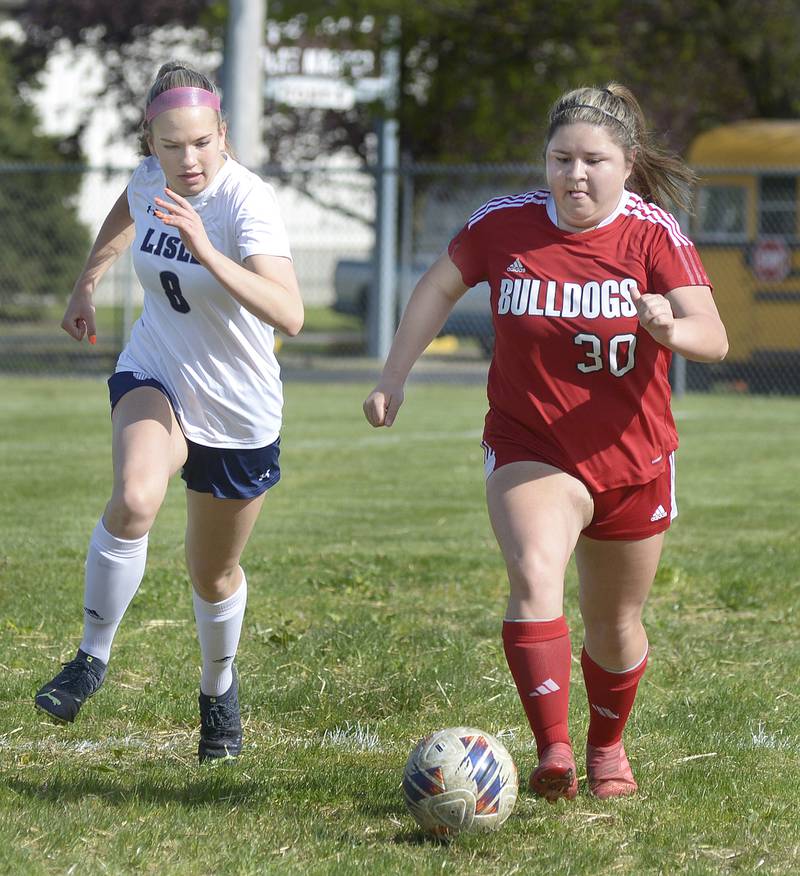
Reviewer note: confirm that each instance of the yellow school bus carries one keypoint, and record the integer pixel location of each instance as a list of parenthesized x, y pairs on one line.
[(747, 230)]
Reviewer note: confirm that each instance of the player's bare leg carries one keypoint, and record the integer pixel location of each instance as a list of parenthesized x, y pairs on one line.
[(615, 580), (148, 447), (537, 513), (216, 534), (217, 531)]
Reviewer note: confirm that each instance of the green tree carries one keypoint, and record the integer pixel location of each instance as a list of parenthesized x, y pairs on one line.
[(477, 76), (43, 244), (699, 63)]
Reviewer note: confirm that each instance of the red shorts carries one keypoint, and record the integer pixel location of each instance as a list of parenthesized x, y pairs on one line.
[(624, 513)]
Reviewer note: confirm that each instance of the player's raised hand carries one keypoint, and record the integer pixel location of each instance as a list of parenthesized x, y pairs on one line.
[(79, 317), (180, 214), (382, 404), (655, 315)]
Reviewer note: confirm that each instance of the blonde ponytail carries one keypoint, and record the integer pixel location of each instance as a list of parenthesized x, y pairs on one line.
[(175, 74)]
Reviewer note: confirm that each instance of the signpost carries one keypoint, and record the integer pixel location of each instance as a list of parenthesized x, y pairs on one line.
[(314, 76), (324, 78), (242, 74)]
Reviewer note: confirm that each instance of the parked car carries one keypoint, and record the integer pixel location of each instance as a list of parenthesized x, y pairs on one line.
[(470, 318)]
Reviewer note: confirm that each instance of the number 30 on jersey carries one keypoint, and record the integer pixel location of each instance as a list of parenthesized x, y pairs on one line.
[(618, 347)]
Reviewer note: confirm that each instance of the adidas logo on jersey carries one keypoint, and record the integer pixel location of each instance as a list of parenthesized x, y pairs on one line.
[(658, 514), (606, 713), (516, 267), (545, 688)]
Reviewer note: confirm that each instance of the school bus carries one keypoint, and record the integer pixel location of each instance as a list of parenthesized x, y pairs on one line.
[(747, 231)]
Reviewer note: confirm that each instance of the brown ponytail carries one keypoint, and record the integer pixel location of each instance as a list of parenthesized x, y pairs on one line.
[(658, 175)]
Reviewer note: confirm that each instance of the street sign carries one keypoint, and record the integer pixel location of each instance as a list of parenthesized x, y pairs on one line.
[(771, 259), (314, 76), (324, 92)]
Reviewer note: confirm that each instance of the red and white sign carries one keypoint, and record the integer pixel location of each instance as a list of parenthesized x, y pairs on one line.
[(771, 259)]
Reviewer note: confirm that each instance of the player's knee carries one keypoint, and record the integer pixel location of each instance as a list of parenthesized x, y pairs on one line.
[(614, 628), (531, 571), (212, 582), (133, 509)]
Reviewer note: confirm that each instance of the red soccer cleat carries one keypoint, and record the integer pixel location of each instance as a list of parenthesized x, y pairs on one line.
[(609, 772), (555, 777)]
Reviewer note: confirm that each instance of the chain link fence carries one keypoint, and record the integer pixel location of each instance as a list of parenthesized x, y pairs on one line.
[(51, 215), (745, 226), (437, 201)]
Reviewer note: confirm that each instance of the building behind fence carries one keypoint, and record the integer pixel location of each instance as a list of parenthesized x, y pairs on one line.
[(745, 226)]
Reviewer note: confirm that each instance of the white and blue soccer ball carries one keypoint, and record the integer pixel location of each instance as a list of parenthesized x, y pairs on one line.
[(460, 779)]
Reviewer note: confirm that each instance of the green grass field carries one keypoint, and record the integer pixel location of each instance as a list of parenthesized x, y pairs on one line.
[(376, 593)]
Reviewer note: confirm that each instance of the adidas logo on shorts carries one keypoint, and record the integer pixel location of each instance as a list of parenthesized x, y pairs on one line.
[(658, 514)]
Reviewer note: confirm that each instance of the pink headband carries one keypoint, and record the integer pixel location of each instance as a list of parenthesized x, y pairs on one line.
[(174, 98)]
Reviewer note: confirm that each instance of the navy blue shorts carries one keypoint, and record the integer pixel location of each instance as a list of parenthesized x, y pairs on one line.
[(227, 473)]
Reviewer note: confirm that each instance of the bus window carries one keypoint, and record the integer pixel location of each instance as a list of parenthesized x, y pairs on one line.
[(722, 212), (778, 206)]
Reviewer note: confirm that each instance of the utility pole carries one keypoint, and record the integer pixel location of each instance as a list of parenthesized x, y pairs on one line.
[(243, 70), (382, 304)]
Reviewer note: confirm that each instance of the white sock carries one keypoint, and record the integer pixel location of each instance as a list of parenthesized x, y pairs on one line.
[(219, 625), (114, 570)]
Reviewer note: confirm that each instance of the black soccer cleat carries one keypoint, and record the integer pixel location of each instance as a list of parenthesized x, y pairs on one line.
[(62, 698), (220, 724)]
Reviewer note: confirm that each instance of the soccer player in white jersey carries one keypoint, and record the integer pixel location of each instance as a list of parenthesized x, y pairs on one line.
[(197, 389), (593, 286)]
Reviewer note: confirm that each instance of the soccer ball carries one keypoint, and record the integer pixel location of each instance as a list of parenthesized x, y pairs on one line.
[(459, 779)]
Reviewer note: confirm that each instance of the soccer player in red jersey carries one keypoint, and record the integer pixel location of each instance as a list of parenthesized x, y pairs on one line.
[(593, 287)]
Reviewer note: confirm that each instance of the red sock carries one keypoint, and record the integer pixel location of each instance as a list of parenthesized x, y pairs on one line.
[(611, 696), (539, 655)]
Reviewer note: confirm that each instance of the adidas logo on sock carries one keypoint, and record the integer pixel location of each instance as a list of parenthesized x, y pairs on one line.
[(606, 713), (545, 688), (658, 514), (516, 267)]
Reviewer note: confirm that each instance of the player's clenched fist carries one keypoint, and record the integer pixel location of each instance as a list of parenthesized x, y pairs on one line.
[(79, 318), (655, 315), (382, 405)]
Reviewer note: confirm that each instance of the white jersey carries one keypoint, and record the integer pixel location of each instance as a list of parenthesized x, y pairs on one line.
[(214, 357)]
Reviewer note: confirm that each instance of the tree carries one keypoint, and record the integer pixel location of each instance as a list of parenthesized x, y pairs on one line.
[(131, 40), (704, 62), (474, 83), (477, 75), (43, 243)]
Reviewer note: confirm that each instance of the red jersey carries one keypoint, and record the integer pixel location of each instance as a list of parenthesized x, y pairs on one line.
[(574, 375)]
